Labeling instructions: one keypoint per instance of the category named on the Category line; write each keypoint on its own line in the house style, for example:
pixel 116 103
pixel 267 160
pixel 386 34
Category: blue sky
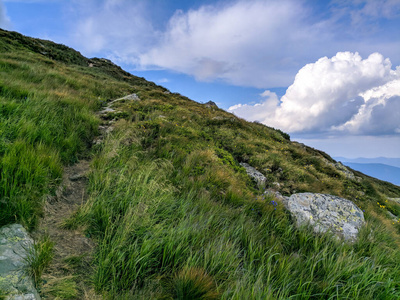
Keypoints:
pixel 324 71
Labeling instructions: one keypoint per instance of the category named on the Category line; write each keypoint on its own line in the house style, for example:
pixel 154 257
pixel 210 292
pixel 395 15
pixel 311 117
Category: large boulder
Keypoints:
pixel 15 245
pixel 326 212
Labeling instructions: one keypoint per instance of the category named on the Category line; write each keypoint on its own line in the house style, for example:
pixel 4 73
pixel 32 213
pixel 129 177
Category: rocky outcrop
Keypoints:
pixel 343 170
pixel 346 172
pixel 256 175
pixel 211 104
pixel 15 244
pixel 326 212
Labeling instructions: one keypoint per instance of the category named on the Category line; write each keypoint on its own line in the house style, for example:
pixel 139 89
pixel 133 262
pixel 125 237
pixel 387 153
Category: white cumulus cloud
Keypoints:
pixel 236 42
pixel 5 22
pixel 380 113
pixel 122 29
pixel 342 93
pixel 252 43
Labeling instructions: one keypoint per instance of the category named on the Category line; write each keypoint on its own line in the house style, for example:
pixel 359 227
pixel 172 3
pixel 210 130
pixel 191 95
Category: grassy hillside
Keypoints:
pixel 172 212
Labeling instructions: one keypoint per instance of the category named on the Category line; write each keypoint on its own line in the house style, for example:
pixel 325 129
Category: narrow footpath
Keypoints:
pixel 73 251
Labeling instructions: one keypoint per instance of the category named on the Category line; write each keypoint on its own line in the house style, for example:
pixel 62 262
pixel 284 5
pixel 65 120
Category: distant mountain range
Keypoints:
pixel 395 162
pixel 383 168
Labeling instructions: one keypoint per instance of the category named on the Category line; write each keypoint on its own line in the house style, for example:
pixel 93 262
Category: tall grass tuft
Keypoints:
pixel 61 288
pixel 191 283
pixel 39 258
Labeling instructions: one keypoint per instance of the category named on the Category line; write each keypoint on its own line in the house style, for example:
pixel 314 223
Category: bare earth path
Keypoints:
pixel 72 249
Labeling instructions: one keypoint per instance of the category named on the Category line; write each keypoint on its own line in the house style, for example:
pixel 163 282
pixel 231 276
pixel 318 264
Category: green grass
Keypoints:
pixel 172 212
pixel 39 258
pixel 2 295
pixel 190 283
pixel 61 288
pixel 153 220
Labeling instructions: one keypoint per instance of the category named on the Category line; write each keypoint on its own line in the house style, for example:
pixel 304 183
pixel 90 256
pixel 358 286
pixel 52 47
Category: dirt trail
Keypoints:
pixel 72 249
pixel 70 195
pixel 69 245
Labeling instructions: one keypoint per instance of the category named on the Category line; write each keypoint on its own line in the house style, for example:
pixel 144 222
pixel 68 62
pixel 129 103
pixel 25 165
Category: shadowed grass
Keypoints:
pixel 191 283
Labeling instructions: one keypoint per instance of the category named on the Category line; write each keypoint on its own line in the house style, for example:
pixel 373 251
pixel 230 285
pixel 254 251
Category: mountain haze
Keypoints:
pixel 165 207
pixel 381 171
pixel 395 162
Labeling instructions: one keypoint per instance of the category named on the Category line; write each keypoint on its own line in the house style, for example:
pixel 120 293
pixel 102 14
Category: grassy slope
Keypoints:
pixel 171 209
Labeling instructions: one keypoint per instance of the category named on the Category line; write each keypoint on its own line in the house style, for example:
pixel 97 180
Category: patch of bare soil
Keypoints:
pixel 72 249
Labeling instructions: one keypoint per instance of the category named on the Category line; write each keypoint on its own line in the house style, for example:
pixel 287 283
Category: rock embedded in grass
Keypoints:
pixel 256 175
pixel 15 244
pixel 133 97
pixel 327 213
pixel 211 104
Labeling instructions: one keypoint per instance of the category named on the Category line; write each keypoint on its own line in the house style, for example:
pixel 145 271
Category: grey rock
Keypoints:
pixel 211 104
pixel 392 216
pixel 256 175
pixel 15 244
pixel 395 199
pixel 106 110
pixel 278 196
pixel 128 97
pixel 78 176
pixel 326 212
pixel 343 170
pixel 348 174
pixel 97 141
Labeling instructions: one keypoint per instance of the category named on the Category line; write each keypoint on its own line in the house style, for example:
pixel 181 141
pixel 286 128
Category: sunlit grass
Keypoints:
pixel 39 258
pixel 154 219
pixel 173 213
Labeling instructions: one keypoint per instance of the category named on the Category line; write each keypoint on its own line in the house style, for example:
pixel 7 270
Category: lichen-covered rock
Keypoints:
pixel 326 212
pixel 15 244
pixel 256 175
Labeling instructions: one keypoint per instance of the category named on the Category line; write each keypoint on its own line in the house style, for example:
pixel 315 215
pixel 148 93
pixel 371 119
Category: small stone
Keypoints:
pixel 276 184
pixel 77 177
pixel 106 110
